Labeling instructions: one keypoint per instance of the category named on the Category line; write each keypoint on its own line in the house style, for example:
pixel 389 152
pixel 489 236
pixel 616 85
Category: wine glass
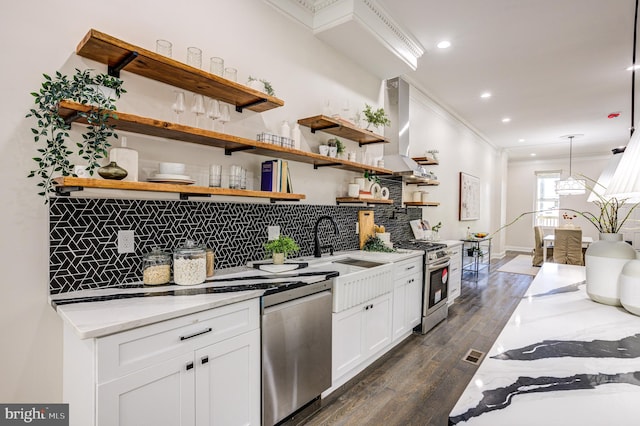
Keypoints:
pixel 213 110
pixel 178 105
pixel 198 107
pixel 225 114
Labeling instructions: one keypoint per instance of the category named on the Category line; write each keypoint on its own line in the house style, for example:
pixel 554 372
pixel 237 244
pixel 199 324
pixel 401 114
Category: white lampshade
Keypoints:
pixel 599 189
pixel 625 183
pixel 570 186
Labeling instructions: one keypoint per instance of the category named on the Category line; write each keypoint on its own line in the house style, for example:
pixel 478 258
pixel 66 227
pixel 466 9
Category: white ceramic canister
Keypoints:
pixel 361 182
pixel 353 190
pixel 604 260
pixel 629 283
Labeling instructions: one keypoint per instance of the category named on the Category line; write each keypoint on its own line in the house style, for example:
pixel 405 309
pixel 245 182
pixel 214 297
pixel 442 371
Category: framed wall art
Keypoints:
pixel 469 197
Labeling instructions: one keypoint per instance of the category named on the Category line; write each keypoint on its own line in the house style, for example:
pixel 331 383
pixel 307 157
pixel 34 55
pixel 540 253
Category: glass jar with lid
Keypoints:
pixel 189 264
pixel 156 267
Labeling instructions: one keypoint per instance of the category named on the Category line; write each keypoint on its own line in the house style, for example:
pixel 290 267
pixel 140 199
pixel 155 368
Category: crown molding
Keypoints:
pixel 383 46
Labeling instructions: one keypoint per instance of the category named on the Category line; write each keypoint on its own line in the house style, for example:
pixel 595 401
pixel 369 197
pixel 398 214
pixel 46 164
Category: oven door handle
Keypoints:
pixel 438 265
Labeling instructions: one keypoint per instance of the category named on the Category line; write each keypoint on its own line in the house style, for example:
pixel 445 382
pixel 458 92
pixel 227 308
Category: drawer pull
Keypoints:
pixel 204 360
pixel 189 366
pixel 410 267
pixel 195 334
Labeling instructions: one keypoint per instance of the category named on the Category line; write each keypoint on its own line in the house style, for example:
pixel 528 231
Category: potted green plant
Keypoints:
pixel 376 117
pixel 280 247
pixel 261 85
pixel 52 131
pixel 372 177
pixel 336 147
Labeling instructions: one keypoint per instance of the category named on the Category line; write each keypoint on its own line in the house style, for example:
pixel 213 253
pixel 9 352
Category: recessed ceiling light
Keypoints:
pixel 444 44
pixel 485 95
pixel 633 67
pixel 520 140
pixel 506 120
pixel 533 154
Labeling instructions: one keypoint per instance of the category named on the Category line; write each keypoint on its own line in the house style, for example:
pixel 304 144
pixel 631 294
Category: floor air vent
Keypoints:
pixel 473 356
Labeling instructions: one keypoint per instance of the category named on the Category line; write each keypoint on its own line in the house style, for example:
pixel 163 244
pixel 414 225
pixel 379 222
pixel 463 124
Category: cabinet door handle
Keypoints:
pixel 195 334
pixel 204 360
pixel 410 267
pixel 189 366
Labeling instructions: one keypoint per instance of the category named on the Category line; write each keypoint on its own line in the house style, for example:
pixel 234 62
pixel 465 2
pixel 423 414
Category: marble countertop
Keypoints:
pixel 96 313
pixel 562 359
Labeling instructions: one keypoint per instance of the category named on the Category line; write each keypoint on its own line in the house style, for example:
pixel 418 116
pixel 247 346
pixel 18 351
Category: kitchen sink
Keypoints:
pixel 358 262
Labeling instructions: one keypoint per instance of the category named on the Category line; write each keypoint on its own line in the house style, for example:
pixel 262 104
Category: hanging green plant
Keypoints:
pixel 53 131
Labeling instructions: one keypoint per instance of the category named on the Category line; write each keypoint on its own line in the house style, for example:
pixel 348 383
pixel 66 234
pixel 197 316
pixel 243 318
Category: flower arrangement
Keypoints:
pixel 607 221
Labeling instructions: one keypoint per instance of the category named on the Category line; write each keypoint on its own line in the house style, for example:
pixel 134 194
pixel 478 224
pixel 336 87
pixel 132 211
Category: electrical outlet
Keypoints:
pixel 126 242
pixel 273 232
pixel 357 228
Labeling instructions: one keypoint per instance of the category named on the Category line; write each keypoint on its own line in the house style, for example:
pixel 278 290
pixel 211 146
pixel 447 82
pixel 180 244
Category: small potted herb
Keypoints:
pixel 376 117
pixel 261 85
pixel 280 247
pixel 336 147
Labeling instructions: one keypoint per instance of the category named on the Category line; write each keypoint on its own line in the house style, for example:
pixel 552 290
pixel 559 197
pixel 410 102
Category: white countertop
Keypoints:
pixel 562 359
pixel 147 305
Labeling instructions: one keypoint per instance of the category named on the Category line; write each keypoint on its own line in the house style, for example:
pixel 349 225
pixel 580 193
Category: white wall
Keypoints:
pixel 40 37
pixel 521 192
pixel 460 150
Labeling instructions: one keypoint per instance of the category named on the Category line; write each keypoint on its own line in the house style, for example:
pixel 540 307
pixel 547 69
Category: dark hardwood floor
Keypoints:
pixel 419 381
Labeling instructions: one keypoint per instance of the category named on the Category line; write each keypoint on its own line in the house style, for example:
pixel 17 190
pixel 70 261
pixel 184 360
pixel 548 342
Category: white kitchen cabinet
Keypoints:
pixel 198 369
pixel 455 271
pixel 359 333
pixel 407 296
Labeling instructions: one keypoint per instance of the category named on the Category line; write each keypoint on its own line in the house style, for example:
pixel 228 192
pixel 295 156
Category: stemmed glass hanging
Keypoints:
pixel 198 107
pixel 213 111
pixel 178 105
pixel 225 114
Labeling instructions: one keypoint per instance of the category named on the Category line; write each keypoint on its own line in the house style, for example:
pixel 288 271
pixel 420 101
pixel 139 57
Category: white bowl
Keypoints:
pixel 172 168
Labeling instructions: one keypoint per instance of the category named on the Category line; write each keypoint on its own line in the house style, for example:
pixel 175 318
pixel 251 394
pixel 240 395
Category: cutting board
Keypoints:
pixel 366 225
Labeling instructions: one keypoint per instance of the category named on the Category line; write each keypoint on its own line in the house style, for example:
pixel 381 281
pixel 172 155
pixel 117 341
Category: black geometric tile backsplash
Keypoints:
pixel 83 233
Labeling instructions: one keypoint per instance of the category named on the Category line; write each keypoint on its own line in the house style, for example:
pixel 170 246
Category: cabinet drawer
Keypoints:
pixel 125 352
pixel 407 267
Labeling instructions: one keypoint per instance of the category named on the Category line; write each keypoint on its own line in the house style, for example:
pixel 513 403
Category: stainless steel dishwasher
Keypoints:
pixel 296 349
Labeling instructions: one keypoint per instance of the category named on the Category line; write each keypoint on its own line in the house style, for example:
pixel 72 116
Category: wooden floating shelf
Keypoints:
pixel 414 180
pixel 342 129
pixel 164 129
pixel 341 200
pixel 422 204
pixel 68 184
pixel 425 161
pixel 116 53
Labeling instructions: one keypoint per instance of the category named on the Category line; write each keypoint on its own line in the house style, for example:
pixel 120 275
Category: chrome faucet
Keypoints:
pixel 317 249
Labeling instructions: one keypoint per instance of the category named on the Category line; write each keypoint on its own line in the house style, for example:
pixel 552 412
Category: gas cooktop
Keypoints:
pixel 420 245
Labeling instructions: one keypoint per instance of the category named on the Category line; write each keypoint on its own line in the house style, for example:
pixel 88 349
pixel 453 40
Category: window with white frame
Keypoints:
pixel 547 201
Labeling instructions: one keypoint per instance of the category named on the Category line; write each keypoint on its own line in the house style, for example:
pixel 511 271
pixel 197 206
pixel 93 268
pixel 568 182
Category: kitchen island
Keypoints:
pixel 561 359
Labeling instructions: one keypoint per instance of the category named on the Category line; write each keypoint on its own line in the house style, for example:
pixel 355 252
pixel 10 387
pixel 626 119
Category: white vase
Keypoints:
pixel 604 260
pixel 629 283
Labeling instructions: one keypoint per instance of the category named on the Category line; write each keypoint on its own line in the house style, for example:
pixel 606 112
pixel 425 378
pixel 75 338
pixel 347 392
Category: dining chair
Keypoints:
pixel 538 248
pixel 567 246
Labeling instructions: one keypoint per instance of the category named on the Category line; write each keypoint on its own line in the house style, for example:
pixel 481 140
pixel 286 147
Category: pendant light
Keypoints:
pixel 625 183
pixel 570 186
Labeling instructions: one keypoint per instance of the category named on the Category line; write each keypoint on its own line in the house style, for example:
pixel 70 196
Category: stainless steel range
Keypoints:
pixel 435 278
